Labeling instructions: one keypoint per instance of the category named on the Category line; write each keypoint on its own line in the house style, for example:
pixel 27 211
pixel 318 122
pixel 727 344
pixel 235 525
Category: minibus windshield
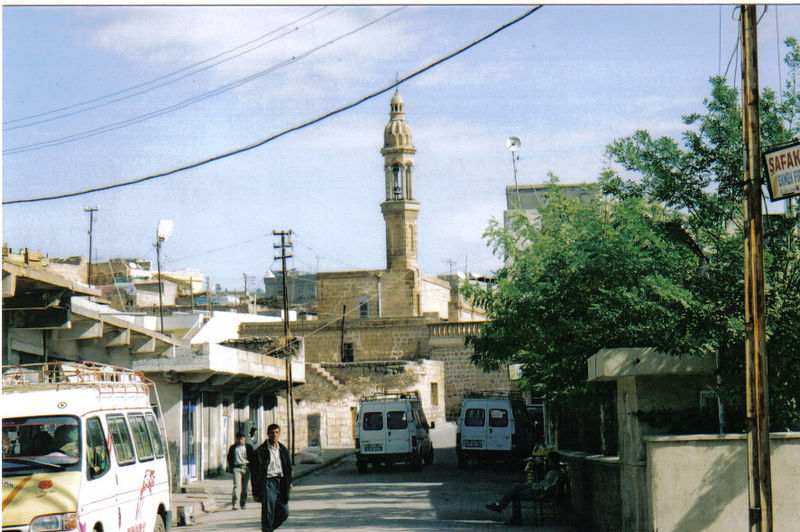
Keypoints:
pixel 41 443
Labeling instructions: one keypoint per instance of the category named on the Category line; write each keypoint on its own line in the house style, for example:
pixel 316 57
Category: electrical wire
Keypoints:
pixel 165 76
pixel 284 132
pixel 185 103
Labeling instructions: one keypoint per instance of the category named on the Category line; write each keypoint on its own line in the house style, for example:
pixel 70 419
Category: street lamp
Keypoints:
pixel 162 234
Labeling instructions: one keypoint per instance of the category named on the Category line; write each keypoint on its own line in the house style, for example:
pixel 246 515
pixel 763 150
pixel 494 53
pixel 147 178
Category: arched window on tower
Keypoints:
pixel 397 182
pixel 409 182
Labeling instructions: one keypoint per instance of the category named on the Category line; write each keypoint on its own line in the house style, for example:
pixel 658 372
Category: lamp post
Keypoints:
pixel 162 234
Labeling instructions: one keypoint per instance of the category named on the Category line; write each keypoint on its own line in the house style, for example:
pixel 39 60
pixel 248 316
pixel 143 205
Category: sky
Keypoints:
pixel 139 91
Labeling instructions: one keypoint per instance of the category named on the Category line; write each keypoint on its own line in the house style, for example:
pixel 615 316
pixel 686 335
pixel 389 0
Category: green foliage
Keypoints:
pixel 657 261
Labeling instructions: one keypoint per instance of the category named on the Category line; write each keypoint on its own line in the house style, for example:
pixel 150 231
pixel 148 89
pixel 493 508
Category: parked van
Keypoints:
pixel 492 426
pixel 393 428
pixel 82 450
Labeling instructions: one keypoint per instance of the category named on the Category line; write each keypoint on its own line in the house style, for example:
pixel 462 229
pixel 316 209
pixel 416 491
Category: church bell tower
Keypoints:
pixel 399 210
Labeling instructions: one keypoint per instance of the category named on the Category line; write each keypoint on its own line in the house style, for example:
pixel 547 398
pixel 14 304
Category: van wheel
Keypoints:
pixel 159 526
pixel 362 466
pixel 429 458
pixel 462 461
pixel 416 462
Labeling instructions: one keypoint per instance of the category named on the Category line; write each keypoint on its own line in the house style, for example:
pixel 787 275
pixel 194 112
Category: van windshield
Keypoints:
pixel 41 443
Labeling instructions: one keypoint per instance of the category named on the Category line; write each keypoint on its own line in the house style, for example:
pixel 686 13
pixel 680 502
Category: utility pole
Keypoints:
pixel 341 341
pixel 758 448
pixel 246 299
pixel 287 339
pixel 91 211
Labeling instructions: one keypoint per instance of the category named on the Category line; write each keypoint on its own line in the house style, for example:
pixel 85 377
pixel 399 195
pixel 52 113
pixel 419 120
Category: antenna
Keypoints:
pixel 513 144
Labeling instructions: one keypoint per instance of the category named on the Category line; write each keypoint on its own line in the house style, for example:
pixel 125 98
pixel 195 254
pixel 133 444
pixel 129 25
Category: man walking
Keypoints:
pixel 240 455
pixel 271 479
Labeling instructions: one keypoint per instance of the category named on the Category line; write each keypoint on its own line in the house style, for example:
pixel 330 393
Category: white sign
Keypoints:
pixel 515 371
pixel 783 171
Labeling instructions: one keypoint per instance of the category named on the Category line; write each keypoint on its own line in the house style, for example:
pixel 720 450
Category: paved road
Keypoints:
pixel 439 497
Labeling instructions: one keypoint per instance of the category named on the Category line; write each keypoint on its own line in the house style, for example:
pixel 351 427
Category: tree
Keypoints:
pixel 656 262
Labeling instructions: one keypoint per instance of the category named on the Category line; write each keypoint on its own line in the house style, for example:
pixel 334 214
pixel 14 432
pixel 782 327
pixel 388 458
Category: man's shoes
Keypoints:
pixel 494 507
pixel 235 508
pixel 514 522
pixel 244 506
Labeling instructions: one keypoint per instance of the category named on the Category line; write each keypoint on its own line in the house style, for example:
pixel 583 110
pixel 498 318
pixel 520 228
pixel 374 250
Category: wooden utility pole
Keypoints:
pixel 91 211
pixel 758 451
pixel 287 343
pixel 341 337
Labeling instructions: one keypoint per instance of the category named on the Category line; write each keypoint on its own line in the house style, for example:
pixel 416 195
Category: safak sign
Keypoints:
pixel 782 166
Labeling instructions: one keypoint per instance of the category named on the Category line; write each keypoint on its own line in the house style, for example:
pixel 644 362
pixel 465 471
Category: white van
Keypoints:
pixel 392 428
pixel 492 425
pixel 82 450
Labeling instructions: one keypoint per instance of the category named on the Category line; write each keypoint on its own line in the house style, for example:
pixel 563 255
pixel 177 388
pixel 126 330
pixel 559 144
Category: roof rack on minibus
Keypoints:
pixel 104 377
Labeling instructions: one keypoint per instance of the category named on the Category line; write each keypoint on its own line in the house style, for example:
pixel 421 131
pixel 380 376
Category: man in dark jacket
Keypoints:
pixel 271 477
pixel 240 457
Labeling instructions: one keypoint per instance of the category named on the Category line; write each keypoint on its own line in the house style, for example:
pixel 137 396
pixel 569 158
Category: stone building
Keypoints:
pixel 377 325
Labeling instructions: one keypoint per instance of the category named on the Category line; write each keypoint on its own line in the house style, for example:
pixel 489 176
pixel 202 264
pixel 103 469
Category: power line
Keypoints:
pixel 165 76
pixel 185 103
pixel 286 131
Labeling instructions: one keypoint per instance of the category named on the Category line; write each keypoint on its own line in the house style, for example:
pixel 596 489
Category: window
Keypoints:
pixel 144 449
pixel 435 393
pixel 363 307
pixel 97 462
pixel 347 353
pixel 373 421
pixel 498 417
pixel 41 444
pixel 123 447
pixel 475 417
pixel 396 420
pixel 155 435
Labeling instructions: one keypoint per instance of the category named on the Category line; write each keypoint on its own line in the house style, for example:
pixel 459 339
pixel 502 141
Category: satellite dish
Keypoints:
pixel 164 230
pixel 513 143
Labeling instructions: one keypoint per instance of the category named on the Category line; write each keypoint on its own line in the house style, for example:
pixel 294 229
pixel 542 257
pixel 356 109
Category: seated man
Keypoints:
pixel 66 440
pixel 530 490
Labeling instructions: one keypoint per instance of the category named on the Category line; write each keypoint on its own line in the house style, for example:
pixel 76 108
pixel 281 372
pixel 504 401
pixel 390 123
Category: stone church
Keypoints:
pixel 394 329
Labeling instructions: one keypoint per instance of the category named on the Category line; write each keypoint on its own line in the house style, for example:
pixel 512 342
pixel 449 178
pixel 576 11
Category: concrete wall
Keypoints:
pixel 434 296
pixel 700 482
pixel 646 394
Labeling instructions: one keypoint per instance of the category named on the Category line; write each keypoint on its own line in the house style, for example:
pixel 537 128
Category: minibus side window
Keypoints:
pixel 144 449
pixel 123 447
pixel 97 462
pixel 155 435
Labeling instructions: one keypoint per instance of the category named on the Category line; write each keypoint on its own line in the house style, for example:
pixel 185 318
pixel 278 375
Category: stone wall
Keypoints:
pixel 372 339
pixel 389 293
pixel 594 488
pixel 447 344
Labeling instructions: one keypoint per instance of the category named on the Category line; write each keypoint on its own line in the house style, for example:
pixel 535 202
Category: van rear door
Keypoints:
pixel 372 429
pixel 500 426
pixel 473 426
pixel 398 437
